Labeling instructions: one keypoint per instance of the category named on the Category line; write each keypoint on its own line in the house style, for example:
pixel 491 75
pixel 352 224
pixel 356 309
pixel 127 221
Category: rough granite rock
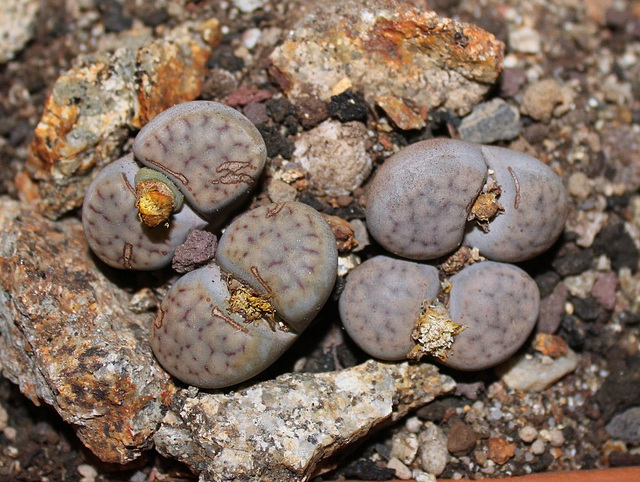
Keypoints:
pixel 284 429
pixel 68 339
pixel 387 48
pixel 88 115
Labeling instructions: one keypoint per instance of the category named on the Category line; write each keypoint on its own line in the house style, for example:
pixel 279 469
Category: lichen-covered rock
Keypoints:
pixel 92 108
pixel 387 48
pixel 285 429
pixel 68 340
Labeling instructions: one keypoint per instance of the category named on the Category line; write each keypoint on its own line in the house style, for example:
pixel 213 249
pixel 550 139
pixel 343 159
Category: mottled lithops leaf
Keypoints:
pixel 497 304
pixel 199 341
pixel 114 231
pixel 212 152
pixel 419 200
pixel 535 208
pixel 382 301
pixel 287 253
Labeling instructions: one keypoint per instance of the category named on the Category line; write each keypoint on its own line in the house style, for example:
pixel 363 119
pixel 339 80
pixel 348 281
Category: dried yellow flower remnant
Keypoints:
pixel 486 207
pixel 155 202
pixel 250 304
pixel 434 333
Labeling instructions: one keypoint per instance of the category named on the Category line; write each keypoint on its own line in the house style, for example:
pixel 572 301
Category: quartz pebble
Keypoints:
pixel 433 452
pixel 538 373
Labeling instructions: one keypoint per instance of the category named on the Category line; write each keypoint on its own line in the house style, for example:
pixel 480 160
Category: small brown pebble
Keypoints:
pixel 343 232
pixel 461 438
pixel 244 96
pixel 311 112
pixel 499 450
pixel 198 249
pixel 551 345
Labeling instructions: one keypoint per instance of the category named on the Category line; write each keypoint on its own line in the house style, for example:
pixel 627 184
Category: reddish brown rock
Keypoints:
pixel 499 450
pixel 387 48
pixel 68 341
pixel 92 108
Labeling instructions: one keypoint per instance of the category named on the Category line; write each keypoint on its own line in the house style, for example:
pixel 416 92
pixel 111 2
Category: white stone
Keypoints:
pixel 404 447
pixel 527 434
pixel 525 40
pixel 534 374
pixel 434 455
pixel 16 26
pixel 402 471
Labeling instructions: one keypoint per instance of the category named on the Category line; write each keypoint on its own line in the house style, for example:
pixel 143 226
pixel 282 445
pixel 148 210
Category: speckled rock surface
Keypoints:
pixel 92 108
pixel 17 20
pixel 68 341
pixel 388 48
pixel 284 429
pixel 335 157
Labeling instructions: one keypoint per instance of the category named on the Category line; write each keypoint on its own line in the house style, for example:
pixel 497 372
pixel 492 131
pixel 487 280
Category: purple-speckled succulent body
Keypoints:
pixel 113 230
pixel 535 208
pixel 201 343
pixel 498 304
pixel 210 151
pixel 219 327
pixel 419 199
pixel 381 302
pixel 285 251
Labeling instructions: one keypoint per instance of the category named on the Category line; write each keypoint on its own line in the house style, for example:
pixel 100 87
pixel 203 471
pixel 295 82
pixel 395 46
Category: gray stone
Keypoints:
pixel 491 121
pixel 626 426
pixel 434 455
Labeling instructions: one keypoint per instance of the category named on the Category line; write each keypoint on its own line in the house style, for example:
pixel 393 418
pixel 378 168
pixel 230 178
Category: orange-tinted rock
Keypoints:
pixel 388 48
pixel 93 107
pixel 499 450
pixel 68 339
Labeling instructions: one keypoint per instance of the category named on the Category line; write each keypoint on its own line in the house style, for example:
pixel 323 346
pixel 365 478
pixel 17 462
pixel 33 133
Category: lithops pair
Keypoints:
pixel 432 195
pixel 390 309
pixel 226 322
pixel 200 160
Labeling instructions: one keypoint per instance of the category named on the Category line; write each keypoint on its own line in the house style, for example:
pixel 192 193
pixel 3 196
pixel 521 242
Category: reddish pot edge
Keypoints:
pixel 622 474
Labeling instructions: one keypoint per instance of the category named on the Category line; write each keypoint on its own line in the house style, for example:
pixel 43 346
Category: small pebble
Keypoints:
pixel 489 122
pixel 4 418
pixel 11 433
pixel 402 471
pixel 420 476
pixel 88 472
pixel 537 447
pixel 499 450
pixel 413 424
pixel 525 40
pixel 461 438
pixel 404 447
pixel 578 185
pixel 434 455
pixel 534 374
pixel 626 426
pixel 527 434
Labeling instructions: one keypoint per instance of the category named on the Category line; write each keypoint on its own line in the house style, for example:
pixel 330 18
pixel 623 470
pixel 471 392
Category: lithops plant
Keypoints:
pixel 534 205
pixel 224 323
pixel 497 304
pixel 389 308
pixel 382 301
pixel 112 227
pixel 424 197
pixel 419 199
pixel 202 157
pixel 212 153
